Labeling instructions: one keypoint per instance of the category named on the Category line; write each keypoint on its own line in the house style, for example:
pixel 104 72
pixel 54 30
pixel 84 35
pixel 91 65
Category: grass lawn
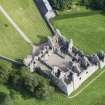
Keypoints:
pixel 87 29
pixel 28 18
pixel 11 43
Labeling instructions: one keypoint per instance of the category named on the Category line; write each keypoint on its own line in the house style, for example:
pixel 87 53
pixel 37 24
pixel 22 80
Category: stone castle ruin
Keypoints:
pixel 64 64
pixel 59 60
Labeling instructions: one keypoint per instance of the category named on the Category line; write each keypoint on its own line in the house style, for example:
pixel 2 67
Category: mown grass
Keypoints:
pixel 87 30
pixel 11 43
pixel 28 18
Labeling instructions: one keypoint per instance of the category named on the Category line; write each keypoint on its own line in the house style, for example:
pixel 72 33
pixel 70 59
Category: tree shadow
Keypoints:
pixel 41 7
pixel 16 64
pixel 19 65
pixel 76 15
pixel 103 13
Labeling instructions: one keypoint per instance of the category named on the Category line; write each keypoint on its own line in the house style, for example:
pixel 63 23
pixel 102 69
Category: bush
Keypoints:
pixel 5 99
pixel 15 80
pixel 94 4
pixel 24 80
pixel 30 83
pixel 3 75
pixel 60 4
pixel 2 96
pixel 15 95
pixel 43 91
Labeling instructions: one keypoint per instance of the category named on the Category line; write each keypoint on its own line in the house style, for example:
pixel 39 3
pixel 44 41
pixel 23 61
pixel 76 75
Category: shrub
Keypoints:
pixel 43 90
pixel 3 75
pixel 5 99
pixel 24 80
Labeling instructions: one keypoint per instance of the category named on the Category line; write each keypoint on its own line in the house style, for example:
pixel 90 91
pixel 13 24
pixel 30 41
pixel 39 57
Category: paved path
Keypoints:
pixel 24 36
pixel 87 85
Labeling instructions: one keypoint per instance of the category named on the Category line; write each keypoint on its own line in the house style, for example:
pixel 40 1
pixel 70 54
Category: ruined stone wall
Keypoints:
pixel 78 80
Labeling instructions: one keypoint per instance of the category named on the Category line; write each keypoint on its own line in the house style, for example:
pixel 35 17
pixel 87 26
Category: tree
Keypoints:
pixel 60 4
pixel 24 79
pixel 15 80
pixel 42 90
pixel 31 83
pixel 3 74
pixel 94 4
pixel 6 99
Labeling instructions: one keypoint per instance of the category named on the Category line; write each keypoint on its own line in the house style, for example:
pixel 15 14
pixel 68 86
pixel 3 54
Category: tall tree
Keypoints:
pixel 60 4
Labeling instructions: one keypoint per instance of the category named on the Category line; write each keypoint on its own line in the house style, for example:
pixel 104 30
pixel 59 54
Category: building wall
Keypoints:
pixel 102 64
pixel 45 8
pixel 41 6
pixel 70 88
pixel 50 13
pixel 67 89
pixel 78 80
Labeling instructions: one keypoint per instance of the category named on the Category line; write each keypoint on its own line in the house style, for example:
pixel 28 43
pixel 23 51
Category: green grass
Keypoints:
pixel 86 29
pixel 88 33
pixel 11 43
pixel 28 18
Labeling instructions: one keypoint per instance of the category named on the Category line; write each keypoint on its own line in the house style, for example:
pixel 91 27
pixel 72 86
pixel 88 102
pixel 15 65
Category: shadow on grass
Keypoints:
pixel 76 15
pixel 42 39
pixel 18 65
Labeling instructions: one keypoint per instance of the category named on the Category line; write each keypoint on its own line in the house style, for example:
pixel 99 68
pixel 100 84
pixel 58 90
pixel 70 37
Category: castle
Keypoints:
pixel 60 61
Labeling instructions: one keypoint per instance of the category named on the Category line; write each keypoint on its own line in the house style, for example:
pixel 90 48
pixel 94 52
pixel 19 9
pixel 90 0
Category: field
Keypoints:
pixel 11 43
pixel 86 29
pixel 28 18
